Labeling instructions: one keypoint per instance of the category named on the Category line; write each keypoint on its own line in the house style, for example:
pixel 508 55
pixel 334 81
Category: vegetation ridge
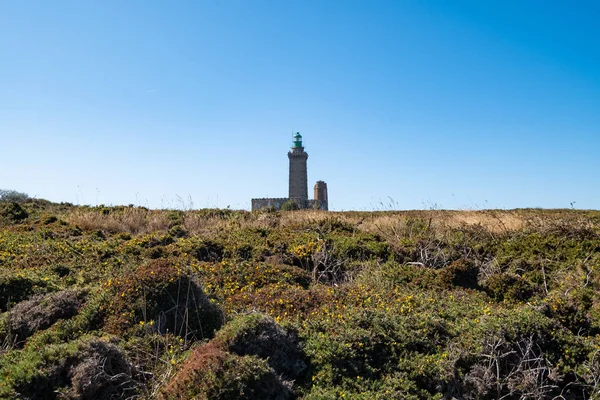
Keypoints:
pixel 127 302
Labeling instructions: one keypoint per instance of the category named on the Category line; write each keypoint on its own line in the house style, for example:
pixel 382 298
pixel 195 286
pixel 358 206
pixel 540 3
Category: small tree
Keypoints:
pixel 13 195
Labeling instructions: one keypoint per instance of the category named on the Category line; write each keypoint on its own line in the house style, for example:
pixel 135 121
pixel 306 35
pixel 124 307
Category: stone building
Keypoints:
pixel 298 184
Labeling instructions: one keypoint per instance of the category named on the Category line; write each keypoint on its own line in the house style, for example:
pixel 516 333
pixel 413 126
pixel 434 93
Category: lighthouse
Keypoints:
pixel 298 171
pixel 298 190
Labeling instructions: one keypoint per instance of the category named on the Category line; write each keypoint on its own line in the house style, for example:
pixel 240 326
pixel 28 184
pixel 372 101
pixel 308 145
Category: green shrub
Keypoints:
pixel 87 368
pixel 61 270
pixel 290 205
pixel 123 236
pixel 36 373
pixel 259 335
pixel 332 223
pixel 461 273
pixel 176 216
pixel 416 276
pixel 15 288
pixel 508 287
pixel 48 219
pixel 206 250
pixel 13 212
pixel 574 310
pixel 360 246
pixel 177 231
pixel 160 297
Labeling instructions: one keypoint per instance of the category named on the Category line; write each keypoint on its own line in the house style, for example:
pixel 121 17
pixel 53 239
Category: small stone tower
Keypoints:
pixel 298 176
pixel 321 194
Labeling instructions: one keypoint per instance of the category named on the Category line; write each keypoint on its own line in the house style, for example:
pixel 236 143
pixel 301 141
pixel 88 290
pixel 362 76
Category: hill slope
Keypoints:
pixel 127 302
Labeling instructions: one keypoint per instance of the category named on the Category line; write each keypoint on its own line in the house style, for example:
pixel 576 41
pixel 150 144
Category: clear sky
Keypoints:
pixel 403 104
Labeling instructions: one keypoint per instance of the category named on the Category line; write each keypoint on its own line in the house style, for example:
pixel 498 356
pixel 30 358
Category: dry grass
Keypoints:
pixel 491 220
pixel 304 216
pixel 205 226
pixel 209 224
pixel 130 220
pixel 495 221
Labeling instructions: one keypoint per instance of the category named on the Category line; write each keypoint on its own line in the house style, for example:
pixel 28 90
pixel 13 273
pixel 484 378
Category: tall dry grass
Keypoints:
pixel 130 220
pixel 494 221
pixel 208 224
pixel 385 223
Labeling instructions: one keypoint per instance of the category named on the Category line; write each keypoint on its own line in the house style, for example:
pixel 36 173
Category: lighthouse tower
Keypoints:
pixel 298 179
pixel 298 185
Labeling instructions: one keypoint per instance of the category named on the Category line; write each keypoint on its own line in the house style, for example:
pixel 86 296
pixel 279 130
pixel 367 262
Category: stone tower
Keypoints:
pixel 298 185
pixel 321 194
pixel 298 178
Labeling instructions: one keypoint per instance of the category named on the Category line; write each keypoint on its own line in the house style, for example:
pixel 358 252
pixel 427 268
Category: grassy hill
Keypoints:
pixel 126 302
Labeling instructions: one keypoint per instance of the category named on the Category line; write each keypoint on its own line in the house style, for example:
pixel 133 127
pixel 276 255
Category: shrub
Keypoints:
pixel 158 293
pixel 259 335
pixel 36 373
pixel 460 273
pixel 392 273
pixel 61 270
pixel 572 309
pixel 104 372
pixel 177 231
pixel 290 205
pixel 360 247
pixel 16 288
pixel 87 368
pixel 508 287
pixel 332 223
pixel 206 250
pixel 517 357
pixel 40 312
pixel 13 212
pixel 518 369
pixel 211 373
pixel 369 343
pixel 48 219
pixel 244 252
pixel 396 317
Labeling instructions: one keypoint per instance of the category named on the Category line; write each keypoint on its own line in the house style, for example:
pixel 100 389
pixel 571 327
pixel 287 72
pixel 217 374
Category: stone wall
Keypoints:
pixel 277 203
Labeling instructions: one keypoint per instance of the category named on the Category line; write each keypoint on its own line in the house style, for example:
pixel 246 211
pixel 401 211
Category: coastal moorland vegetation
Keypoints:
pixel 127 302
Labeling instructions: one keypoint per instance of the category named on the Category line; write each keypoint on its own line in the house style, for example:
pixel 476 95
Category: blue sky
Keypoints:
pixel 403 104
